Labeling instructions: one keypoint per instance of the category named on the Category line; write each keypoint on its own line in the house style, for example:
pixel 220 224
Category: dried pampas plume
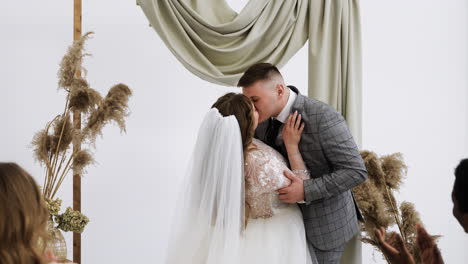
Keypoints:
pixel 371 203
pixel 72 62
pixel 63 133
pixel 82 97
pixel 82 159
pixel 374 168
pixel 395 169
pixel 112 108
pixel 410 219
pixel 41 143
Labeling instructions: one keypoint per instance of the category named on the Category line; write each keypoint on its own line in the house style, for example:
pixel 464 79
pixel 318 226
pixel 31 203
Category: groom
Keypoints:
pixel 329 152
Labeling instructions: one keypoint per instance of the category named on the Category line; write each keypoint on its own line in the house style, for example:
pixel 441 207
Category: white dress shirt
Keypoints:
pixel 284 114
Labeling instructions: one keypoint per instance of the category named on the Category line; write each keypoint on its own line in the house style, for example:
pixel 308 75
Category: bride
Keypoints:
pixel 229 211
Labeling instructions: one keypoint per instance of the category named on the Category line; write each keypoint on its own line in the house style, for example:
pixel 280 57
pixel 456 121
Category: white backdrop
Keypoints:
pixel 415 56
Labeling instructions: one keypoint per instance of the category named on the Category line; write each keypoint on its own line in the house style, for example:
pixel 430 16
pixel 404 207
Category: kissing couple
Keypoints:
pixel 269 180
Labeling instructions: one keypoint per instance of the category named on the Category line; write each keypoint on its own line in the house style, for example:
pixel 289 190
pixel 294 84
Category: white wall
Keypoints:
pixel 415 102
pixel 415 95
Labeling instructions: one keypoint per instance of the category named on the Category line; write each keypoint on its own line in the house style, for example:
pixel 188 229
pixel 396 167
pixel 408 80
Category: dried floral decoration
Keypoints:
pixel 53 145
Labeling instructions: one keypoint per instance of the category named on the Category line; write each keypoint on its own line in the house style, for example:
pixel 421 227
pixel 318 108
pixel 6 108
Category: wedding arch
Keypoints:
pixel 218 44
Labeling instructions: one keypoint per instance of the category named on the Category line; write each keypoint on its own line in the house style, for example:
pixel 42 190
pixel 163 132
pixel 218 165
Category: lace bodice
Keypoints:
pixel 264 174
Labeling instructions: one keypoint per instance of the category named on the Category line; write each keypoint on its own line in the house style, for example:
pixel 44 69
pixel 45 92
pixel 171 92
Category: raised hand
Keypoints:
pixel 292 130
pixel 398 254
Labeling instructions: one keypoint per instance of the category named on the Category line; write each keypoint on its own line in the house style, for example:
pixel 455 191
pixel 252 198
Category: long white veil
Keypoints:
pixel 210 214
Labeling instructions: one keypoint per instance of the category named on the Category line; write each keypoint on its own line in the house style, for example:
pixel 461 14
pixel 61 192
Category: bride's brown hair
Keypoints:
pixel 241 107
pixel 23 217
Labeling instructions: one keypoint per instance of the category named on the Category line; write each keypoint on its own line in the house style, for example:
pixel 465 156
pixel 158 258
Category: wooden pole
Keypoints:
pixel 77 145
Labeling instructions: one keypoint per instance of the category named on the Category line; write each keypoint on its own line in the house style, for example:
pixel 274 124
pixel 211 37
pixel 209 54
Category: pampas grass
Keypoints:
pixel 394 168
pixel 82 97
pixel 378 205
pixel 42 145
pixel 53 145
pixel 72 62
pixel 112 108
pixel 63 133
pixel 82 159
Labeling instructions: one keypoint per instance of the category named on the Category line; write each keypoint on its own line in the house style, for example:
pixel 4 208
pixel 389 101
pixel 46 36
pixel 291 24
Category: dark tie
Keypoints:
pixel 272 133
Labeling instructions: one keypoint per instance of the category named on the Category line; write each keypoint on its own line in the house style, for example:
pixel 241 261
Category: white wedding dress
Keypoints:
pixel 229 211
pixel 275 230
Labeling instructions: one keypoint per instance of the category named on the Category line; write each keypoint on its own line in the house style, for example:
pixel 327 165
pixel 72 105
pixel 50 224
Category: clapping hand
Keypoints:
pixel 398 253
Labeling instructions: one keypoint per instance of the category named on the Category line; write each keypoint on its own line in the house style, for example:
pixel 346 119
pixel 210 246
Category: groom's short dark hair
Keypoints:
pixel 460 188
pixel 258 72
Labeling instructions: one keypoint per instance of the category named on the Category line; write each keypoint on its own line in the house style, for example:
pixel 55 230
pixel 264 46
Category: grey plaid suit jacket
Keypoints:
pixel 335 164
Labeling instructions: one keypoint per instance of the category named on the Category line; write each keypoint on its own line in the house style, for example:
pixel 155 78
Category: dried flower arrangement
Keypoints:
pixel 53 144
pixel 378 205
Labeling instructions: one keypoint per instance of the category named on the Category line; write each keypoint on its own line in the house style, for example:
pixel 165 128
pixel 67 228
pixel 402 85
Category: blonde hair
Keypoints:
pixel 24 217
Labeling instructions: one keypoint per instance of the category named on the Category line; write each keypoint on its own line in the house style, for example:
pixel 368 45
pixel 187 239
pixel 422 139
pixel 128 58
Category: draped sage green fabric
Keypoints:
pixel 335 70
pixel 218 45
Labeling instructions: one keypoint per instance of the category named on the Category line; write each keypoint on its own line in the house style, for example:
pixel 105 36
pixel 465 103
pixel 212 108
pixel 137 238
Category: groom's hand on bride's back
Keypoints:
pixel 294 193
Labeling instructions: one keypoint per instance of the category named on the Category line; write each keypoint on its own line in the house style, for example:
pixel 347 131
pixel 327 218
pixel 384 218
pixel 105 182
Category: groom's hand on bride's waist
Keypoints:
pixel 294 193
